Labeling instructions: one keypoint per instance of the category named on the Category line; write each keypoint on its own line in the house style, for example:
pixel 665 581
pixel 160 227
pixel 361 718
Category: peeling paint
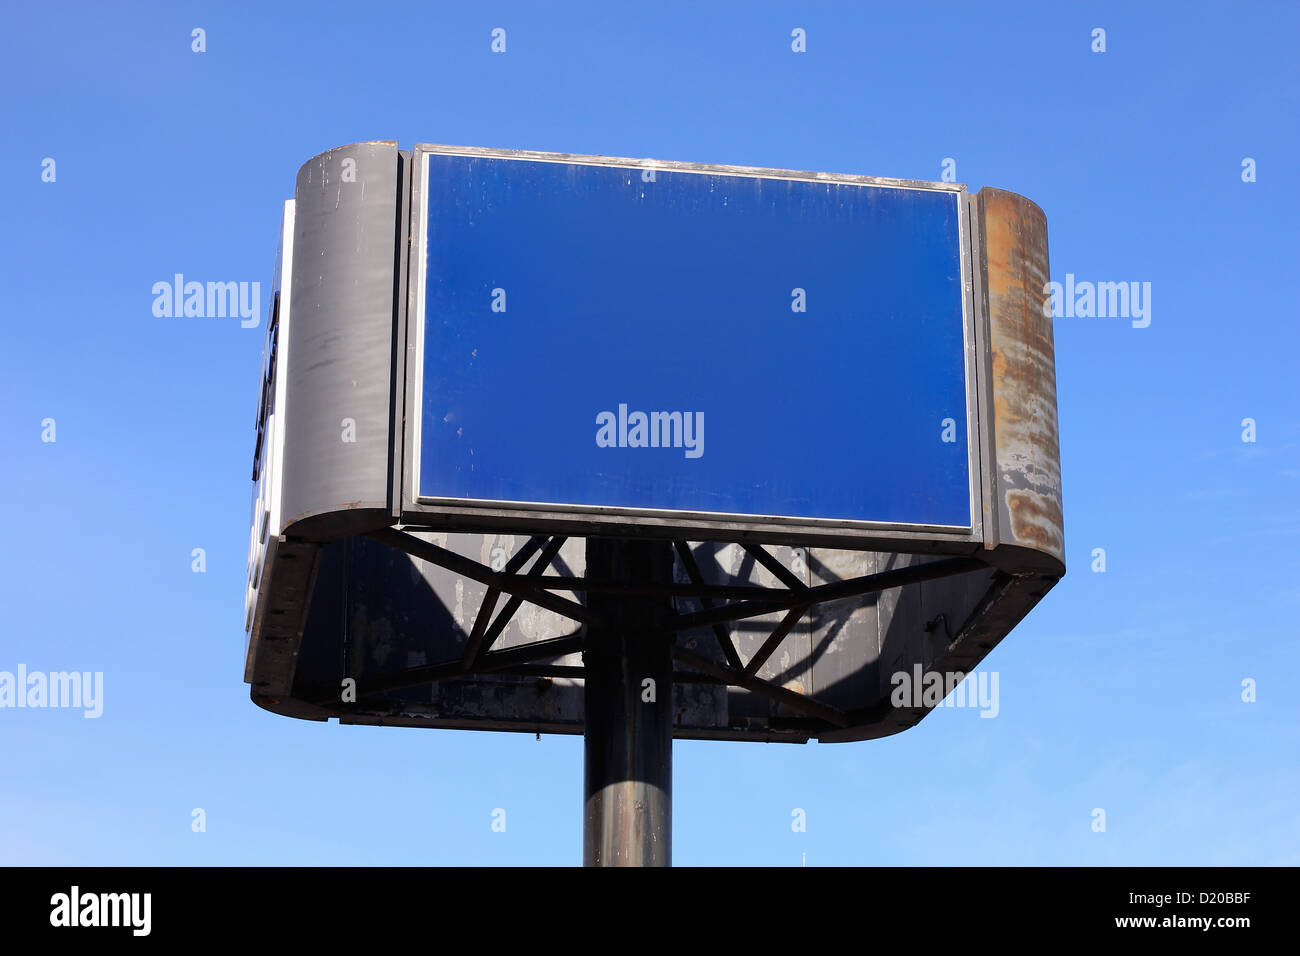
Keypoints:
pixel 1026 443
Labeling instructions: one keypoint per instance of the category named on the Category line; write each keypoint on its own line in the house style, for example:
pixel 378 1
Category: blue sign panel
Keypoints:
pixel 692 341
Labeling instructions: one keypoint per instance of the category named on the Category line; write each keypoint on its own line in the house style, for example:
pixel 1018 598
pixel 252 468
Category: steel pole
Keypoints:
pixel 628 742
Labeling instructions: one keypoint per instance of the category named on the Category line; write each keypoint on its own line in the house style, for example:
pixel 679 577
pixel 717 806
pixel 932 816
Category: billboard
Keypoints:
pixel 833 384
pixel 593 334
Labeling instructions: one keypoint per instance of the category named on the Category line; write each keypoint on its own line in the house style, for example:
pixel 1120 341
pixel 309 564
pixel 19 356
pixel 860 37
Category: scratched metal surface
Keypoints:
pixel 1026 442
pixel 341 342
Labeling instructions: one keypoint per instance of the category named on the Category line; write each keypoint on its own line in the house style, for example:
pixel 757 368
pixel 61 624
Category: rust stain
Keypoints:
pixel 1035 520
pixel 1024 369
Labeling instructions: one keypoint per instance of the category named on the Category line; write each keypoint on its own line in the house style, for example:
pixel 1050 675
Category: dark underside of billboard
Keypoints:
pixel 415 628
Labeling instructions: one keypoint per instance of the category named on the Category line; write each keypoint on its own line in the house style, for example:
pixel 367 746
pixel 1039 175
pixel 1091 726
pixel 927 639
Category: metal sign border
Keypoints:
pixel 484 515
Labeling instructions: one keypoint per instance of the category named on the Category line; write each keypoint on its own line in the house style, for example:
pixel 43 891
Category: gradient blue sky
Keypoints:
pixel 1121 691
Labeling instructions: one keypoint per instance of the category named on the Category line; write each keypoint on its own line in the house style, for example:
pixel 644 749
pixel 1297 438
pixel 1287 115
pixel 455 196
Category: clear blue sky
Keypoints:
pixel 1121 691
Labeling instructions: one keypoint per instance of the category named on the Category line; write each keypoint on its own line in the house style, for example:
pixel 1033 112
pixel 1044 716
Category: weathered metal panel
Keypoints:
pixel 1027 454
pixel 336 475
pixel 845 635
pixel 290 590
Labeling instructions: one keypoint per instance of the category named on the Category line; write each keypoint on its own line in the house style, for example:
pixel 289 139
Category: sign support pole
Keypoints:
pixel 628 734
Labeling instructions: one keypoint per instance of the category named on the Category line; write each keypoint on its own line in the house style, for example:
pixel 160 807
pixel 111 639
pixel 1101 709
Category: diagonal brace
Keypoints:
pixel 452 561
pixel 488 605
pixel 487 635
pixel 853 587
pixel 687 558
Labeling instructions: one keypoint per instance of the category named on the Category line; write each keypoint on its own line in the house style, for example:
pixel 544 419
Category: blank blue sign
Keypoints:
pixel 697 342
